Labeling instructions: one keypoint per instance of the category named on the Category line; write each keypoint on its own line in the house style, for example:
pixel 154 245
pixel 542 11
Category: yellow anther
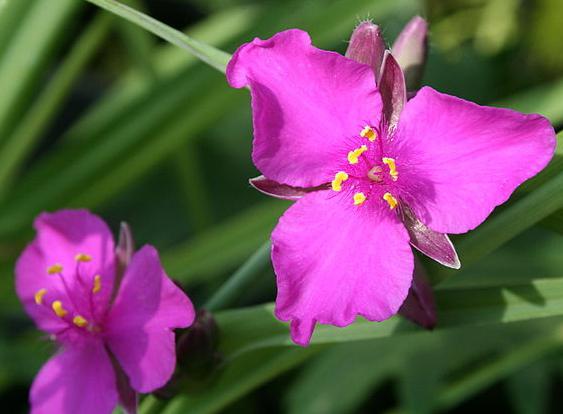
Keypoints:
pixel 392 201
pixel 82 257
pixel 354 155
pixel 390 162
pixel 369 133
pixel 56 268
pixel 97 284
pixel 359 199
pixel 339 178
pixel 58 309
pixel 39 296
pixel 79 321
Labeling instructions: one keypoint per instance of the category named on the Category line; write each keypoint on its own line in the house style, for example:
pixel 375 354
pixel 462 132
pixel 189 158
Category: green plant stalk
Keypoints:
pixel 26 135
pixel 212 56
pixel 241 280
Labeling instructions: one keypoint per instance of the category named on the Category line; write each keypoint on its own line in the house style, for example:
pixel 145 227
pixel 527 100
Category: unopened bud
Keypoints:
pixel 367 46
pixel 410 50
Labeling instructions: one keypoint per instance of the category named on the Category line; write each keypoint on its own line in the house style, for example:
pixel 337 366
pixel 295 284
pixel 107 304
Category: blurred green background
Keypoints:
pixel 97 113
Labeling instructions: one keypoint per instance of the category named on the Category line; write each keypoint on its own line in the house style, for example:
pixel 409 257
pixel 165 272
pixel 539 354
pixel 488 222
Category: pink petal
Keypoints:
pixel 419 306
pixel 306 103
pixel 410 50
pixel 282 191
pixel 140 325
pixel 367 46
pixel 393 92
pixel 461 160
pixel 60 237
pixel 77 380
pixel 334 260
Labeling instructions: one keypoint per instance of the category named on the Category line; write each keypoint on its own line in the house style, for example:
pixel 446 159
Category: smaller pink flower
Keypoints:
pixel 108 334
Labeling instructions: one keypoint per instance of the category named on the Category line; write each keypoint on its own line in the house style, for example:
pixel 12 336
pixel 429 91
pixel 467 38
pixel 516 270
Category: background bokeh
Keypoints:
pixel 97 113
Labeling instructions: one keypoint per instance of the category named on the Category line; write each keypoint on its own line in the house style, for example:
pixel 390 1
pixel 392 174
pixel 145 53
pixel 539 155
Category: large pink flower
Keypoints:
pixel 367 168
pixel 113 338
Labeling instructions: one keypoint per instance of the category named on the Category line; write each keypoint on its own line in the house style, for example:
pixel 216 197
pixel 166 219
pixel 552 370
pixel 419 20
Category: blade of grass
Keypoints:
pixel 254 328
pixel 212 56
pixel 26 135
pixel 27 53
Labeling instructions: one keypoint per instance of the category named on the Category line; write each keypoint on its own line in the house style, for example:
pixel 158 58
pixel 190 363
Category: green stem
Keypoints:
pixel 208 54
pixel 240 280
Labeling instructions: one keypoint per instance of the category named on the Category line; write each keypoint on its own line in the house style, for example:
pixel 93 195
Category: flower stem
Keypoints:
pixel 240 280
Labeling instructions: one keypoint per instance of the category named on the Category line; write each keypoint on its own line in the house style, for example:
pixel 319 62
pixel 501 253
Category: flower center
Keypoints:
pixel 368 173
pixel 73 303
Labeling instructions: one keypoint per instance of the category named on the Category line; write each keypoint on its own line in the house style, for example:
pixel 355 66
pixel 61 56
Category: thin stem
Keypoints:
pixel 240 280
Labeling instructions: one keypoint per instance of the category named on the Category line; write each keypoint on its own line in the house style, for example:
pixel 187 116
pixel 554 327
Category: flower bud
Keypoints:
pixel 367 46
pixel 419 306
pixel 410 50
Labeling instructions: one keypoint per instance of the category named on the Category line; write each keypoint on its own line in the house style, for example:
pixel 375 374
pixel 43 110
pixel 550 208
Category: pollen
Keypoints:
pixel 82 257
pixel 58 309
pixel 369 133
pixel 97 284
pixel 54 269
pixel 353 156
pixel 359 199
pixel 392 201
pixel 339 178
pixel 80 321
pixel 39 296
pixel 390 162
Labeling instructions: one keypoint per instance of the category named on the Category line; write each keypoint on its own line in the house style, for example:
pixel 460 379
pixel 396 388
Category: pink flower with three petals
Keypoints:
pixel 116 337
pixel 367 167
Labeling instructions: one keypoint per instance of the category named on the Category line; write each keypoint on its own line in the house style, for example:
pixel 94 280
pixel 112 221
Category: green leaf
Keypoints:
pixel 253 328
pixel 213 57
pixel 529 389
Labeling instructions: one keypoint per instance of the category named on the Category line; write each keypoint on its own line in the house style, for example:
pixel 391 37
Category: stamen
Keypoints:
pixel 392 167
pixel 39 296
pixel 54 269
pixel 82 257
pixel 79 321
pixel 359 199
pixel 354 155
pixel 369 133
pixel 339 178
pixel 97 284
pixel 58 309
pixel 392 201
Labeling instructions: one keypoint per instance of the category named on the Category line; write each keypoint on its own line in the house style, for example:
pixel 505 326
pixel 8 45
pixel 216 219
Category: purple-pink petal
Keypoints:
pixel 60 237
pixel 367 46
pixel 410 49
pixel 461 160
pixel 335 261
pixel 393 92
pixel 79 379
pixel 139 328
pixel 281 191
pixel 305 103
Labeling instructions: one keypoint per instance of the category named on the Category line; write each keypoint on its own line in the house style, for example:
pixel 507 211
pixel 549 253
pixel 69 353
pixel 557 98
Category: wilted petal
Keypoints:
pixel 367 46
pixel 465 159
pixel 139 328
pixel 419 306
pixel 305 102
pixel 435 245
pixel 410 49
pixel 334 261
pixel 393 92
pixel 283 191
pixel 80 379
